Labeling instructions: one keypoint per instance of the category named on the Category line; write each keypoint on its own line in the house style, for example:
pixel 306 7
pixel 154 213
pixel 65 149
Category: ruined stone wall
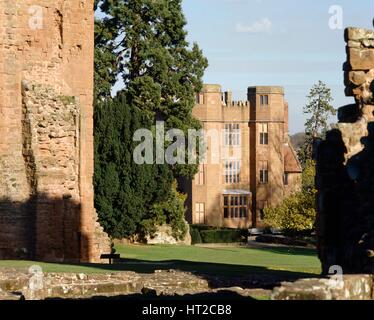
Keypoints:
pixel 349 287
pixel 46 139
pixel 345 170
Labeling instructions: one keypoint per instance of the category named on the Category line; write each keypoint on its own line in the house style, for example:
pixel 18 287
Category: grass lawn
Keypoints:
pixel 283 262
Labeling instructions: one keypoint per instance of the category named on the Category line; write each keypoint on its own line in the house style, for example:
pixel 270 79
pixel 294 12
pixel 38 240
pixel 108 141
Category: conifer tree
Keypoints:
pixel 144 42
pixel 105 62
pixel 161 71
pixel 319 109
pixel 125 192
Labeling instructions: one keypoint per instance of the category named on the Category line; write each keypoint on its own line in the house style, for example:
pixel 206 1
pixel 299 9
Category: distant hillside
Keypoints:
pixel 298 140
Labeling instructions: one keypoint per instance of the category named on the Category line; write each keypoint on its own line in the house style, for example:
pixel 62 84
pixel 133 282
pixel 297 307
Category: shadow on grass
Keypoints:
pixel 270 248
pixel 295 251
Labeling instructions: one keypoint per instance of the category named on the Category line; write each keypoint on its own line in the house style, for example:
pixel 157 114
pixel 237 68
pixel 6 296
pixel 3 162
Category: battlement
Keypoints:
pixel 241 103
pixel 265 90
pixel 211 88
pixel 226 96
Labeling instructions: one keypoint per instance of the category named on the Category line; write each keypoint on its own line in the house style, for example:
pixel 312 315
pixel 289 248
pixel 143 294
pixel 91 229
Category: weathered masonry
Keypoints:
pixel 46 139
pixel 345 170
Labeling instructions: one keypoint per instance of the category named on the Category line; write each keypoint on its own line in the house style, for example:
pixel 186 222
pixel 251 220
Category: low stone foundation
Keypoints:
pixel 35 285
pixel 32 284
pixel 350 287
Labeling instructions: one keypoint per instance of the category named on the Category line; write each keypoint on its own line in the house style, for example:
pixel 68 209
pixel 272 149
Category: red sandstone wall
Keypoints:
pixel 48 44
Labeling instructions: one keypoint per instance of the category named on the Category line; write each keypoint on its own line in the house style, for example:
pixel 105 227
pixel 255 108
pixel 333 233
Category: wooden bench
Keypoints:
pixel 111 257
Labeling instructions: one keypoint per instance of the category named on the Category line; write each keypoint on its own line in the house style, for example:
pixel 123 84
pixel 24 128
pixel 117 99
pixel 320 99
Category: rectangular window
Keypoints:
pixel 232 171
pixel 285 178
pixel 200 176
pixel 264 135
pixel 235 206
pixel 199 98
pixel 199 213
pixel 264 172
pixel 261 205
pixel 264 100
pixel 232 134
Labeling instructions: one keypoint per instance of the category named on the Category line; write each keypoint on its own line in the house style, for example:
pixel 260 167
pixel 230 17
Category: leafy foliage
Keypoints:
pixel 171 212
pixel 297 212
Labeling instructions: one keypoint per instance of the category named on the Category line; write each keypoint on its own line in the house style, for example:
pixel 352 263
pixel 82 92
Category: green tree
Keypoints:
pixel 125 192
pixel 318 109
pixel 171 212
pixel 161 71
pixel 297 212
pixel 105 62
pixel 144 42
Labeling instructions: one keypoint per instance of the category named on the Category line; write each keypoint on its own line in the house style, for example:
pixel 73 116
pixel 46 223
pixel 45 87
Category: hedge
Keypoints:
pixel 221 236
pixel 207 234
pixel 195 236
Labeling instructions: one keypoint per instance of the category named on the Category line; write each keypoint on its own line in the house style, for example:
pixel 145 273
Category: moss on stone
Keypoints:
pixel 66 100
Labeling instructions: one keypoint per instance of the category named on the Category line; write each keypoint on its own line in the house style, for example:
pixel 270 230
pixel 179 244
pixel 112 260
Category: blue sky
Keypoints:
pixel 269 42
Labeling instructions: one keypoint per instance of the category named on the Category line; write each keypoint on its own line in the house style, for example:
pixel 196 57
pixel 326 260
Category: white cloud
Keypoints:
pixel 264 25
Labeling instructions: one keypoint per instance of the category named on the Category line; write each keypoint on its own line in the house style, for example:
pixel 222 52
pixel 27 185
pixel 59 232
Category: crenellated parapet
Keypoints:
pixel 235 104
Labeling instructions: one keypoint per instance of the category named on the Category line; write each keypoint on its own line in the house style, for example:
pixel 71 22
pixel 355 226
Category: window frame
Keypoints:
pixel 200 176
pixel 199 98
pixel 264 100
pixel 264 134
pixel 232 135
pixel 199 212
pixel 232 170
pixel 264 171
pixel 261 206
pixel 286 178
pixel 236 206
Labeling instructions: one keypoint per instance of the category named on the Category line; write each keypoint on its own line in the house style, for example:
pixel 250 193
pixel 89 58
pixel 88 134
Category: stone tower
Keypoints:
pixel 268 109
pixel 46 131
pixel 248 156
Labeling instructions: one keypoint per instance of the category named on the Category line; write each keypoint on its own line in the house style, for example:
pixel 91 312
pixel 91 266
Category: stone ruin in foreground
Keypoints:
pixel 345 168
pixel 345 183
pixel 46 132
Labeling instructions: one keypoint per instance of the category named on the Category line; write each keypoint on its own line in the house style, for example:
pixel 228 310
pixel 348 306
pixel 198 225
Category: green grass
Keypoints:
pixel 227 260
pixel 283 262
pixel 277 258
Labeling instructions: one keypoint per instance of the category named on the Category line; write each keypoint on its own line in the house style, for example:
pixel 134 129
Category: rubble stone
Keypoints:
pixel 344 169
pixel 352 287
pixel 46 132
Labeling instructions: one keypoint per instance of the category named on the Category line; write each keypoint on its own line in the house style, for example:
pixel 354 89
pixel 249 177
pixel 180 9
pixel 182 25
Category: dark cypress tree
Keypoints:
pixel 125 192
